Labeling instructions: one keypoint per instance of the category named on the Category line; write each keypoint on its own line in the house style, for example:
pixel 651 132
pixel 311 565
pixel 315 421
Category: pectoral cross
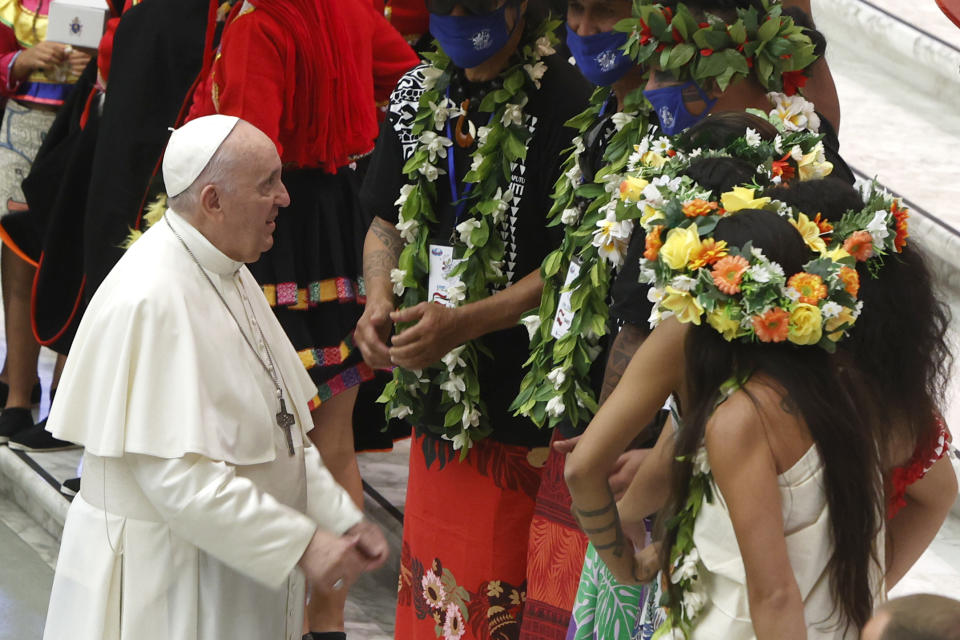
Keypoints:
pixel 285 420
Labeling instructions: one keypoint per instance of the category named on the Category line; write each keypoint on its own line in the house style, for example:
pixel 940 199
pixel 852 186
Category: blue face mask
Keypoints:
pixel 670 109
pixel 471 40
pixel 599 57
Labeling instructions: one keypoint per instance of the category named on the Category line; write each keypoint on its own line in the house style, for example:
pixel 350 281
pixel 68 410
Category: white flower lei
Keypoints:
pixel 475 241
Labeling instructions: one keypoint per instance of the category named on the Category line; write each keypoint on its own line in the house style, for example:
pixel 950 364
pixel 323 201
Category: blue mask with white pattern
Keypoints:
pixel 599 57
pixel 471 40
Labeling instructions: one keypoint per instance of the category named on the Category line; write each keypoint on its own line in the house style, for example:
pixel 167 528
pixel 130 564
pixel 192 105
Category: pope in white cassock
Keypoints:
pixel 201 495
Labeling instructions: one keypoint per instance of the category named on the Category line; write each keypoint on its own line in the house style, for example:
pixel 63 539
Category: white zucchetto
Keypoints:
pixel 190 149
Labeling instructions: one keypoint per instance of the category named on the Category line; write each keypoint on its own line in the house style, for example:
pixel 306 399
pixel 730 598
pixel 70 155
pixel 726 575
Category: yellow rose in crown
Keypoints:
pixel 721 321
pixel 653 159
pixel 632 188
pixel 680 247
pixel 742 198
pixel 805 324
pixel 683 305
pixel 833 324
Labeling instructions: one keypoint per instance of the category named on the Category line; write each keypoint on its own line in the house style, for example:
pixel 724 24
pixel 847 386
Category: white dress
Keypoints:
pixel 806 519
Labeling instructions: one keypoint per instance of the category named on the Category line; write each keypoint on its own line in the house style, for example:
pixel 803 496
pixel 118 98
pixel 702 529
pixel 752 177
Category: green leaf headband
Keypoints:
pixel 767 44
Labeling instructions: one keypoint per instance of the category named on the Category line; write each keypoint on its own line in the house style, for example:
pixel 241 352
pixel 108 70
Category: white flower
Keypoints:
pixel 555 407
pixel 695 153
pixel 476 162
pixel 672 184
pixel 512 115
pixel 454 386
pixel 460 441
pixel 442 111
pixel 753 138
pixel 503 203
pixel 831 309
pixel 574 175
pixel 701 466
pixel 578 145
pixel 408 230
pixel 430 172
pixel 535 71
pixel 621 119
pixel 778 144
pixel 662 145
pixel 557 377
pixel 466 228
pixel 759 273
pixel 775 269
pixel 482 134
pixel 453 359
pixel 796 113
pixel 655 295
pixel 796 153
pixel 430 76
pixel 405 192
pixel 858 309
pixel 435 145
pixel 532 323
pixel 693 602
pixel 570 216
pixel 543 46
pixel 685 567
pixel 612 238
pixel 401 412
pixel 396 277
pixel 792 293
pixel 634 161
pixel 471 416
pixel 647 275
pixel 683 283
pixel 878 229
pixel 456 293
pixel 496 267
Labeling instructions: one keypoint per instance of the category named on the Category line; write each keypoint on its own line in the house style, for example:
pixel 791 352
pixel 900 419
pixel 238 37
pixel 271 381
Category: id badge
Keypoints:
pixel 440 281
pixel 564 317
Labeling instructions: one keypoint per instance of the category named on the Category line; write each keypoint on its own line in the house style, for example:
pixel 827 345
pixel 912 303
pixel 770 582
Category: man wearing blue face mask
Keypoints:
pixel 459 187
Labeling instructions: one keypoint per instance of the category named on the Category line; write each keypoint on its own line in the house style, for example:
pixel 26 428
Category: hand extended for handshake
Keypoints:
pixel 331 562
pixel 436 330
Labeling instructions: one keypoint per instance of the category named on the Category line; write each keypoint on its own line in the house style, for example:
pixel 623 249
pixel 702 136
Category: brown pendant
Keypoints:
pixel 464 139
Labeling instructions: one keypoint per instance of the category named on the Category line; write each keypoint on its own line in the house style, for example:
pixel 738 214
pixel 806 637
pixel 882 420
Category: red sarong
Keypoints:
pixel 464 556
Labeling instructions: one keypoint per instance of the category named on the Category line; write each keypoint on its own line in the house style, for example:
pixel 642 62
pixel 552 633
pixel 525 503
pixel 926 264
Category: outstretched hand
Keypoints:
pixel 438 329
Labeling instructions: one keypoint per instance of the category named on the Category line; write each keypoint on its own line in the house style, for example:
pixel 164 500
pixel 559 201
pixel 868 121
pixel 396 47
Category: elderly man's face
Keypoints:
pixel 253 196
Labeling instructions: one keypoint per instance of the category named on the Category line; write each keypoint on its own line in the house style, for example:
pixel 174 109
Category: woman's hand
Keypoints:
pixel 43 56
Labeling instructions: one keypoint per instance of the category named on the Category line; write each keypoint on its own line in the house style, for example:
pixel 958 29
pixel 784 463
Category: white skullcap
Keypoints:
pixel 190 149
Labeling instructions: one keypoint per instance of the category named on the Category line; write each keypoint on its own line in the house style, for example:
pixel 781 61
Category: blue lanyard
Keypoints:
pixel 460 202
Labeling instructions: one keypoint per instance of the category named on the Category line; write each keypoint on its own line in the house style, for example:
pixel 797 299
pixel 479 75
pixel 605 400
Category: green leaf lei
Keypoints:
pixel 476 241
pixel 557 381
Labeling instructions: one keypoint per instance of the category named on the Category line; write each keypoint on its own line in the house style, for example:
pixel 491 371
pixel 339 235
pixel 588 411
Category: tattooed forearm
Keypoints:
pixel 599 524
pixel 625 344
pixel 380 254
pixel 388 235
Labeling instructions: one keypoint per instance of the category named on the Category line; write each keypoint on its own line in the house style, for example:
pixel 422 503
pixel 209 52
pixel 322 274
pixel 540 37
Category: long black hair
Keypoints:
pixel 830 407
pixel 900 339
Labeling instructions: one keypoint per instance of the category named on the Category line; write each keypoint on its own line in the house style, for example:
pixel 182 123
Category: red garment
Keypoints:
pixel 307 74
pixel 924 457
pixel 409 17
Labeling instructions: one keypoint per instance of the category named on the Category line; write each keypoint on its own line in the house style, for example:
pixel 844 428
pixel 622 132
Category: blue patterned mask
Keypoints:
pixel 669 106
pixel 599 57
pixel 471 40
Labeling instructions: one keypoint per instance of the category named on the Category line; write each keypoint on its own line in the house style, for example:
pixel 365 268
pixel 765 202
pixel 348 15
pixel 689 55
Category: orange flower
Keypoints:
pixel 900 215
pixel 710 252
pixel 653 243
pixel 810 286
pixel 783 168
pixel 698 207
pixel 728 272
pixel 850 279
pixel 825 227
pixel 772 325
pixel 859 245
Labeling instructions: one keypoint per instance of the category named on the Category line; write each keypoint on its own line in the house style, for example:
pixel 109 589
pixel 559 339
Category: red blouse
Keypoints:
pixel 924 457
pixel 257 76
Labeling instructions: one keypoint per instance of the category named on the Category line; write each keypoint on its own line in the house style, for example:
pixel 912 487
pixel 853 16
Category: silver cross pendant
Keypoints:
pixel 285 420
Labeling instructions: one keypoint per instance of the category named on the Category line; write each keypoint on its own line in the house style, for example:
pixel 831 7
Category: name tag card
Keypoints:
pixel 440 281
pixel 564 317
pixel 79 23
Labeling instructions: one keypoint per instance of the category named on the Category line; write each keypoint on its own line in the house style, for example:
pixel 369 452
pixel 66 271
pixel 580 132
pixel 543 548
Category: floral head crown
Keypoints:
pixel 765 43
pixel 739 291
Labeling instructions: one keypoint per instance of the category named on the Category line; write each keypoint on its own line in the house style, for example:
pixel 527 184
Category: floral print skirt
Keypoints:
pixel 464 554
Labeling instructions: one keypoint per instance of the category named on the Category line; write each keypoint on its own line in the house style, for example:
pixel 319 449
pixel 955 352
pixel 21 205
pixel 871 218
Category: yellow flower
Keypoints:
pixel 653 159
pixel 844 317
pixel 649 213
pixel 721 321
pixel 810 232
pixel 805 324
pixel 742 198
pixel 680 247
pixel 632 188
pixel 683 305
pixel 810 168
pixel 837 254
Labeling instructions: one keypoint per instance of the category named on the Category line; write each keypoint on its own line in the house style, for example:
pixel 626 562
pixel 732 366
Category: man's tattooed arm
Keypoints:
pixel 625 344
pixel 381 251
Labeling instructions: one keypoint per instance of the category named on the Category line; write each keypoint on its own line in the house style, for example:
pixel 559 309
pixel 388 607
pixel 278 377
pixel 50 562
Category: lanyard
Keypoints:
pixel 459 201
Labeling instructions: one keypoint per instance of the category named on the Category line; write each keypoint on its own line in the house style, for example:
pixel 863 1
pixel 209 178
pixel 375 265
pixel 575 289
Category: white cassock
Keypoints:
pixel 192 515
